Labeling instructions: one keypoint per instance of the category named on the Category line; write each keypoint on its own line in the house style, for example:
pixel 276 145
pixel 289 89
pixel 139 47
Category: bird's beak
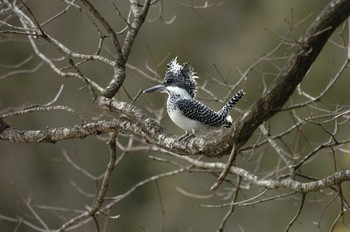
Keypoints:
pixel 157 88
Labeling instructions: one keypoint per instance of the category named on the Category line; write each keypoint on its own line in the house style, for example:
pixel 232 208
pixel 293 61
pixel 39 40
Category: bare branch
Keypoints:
pixel 119 72
pixel 302 202
pixel 109 29
pixel 102 192
pixel 232 207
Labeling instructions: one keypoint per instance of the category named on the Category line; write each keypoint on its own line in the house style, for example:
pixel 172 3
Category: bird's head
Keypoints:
pixel 178 79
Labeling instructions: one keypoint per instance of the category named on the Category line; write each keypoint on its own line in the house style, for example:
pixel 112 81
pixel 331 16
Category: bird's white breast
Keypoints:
pixel 183 122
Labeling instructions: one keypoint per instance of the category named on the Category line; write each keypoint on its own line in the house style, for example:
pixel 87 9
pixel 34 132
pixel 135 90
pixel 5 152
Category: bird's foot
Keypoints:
pixel 185 137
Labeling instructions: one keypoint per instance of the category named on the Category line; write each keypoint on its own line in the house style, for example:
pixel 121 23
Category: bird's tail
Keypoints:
pixel 231 103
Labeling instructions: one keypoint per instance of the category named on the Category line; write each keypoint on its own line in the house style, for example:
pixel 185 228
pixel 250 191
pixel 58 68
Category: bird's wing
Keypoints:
pixel 196 110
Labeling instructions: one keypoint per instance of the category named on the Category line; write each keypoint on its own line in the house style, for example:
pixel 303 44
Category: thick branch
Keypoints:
pixel 293 72
pixel 134 122
pixel 62 133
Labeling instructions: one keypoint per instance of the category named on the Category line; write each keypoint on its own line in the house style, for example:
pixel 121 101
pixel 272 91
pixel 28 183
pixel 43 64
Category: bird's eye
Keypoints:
pixel 169 81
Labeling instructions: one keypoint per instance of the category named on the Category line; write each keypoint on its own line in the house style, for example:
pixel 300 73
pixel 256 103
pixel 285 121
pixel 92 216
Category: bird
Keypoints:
pixel 182 107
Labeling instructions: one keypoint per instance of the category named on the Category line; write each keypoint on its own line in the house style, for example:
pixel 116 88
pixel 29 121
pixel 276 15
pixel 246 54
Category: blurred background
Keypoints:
pixel 221 41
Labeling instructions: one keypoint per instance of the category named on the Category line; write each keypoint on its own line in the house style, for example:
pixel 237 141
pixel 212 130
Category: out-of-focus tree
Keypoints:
pixel 82 149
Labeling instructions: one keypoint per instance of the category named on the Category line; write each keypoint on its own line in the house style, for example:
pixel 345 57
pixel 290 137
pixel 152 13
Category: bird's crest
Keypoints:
pixel 183 74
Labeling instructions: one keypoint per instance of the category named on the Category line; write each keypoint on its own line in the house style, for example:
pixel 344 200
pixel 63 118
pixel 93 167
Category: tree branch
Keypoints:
pixel 109 29
pixel 119 71
pixel 54 135
pixel 308 47
pixel 140 124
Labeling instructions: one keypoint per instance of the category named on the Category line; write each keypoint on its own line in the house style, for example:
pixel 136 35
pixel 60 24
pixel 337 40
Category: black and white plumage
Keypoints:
pixel 183 109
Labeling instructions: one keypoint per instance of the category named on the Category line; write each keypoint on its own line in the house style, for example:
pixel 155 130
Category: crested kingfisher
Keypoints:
pixel 182 107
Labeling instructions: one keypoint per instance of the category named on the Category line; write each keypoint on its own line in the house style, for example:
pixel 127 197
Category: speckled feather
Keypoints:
pixel 184 76
pixel 196 110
